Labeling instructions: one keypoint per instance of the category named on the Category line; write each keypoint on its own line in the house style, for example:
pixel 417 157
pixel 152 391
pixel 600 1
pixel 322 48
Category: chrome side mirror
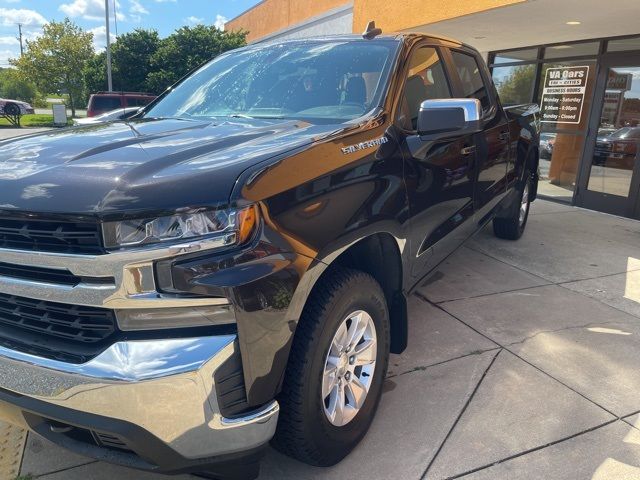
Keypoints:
pixel 449 118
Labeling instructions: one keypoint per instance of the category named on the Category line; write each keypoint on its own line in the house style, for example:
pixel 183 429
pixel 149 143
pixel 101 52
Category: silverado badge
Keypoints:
pixel 362 145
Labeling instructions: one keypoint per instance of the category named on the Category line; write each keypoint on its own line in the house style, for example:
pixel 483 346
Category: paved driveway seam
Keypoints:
pixel 422 368
pixel 464 408
pixel 505 347
pixel 531 450
pixel 45 475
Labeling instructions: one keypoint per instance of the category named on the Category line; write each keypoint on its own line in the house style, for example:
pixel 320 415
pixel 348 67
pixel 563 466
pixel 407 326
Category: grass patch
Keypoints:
pixel 25 477
pixel 37 120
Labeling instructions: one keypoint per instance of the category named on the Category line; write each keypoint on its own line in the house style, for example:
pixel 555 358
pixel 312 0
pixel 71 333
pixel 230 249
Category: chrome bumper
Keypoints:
pixel 163 386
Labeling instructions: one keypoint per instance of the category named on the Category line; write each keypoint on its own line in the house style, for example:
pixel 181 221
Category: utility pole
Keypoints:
pixel 20 38
pixel 106 13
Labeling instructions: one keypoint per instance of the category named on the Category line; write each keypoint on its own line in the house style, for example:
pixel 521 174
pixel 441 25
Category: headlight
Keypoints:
pixel 232 227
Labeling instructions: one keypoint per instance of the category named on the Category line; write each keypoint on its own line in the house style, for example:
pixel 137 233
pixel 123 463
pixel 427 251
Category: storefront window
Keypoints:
pixel 572 50
pixel 515 84
pixel 566 91
pixel 528 54
pixel 623 44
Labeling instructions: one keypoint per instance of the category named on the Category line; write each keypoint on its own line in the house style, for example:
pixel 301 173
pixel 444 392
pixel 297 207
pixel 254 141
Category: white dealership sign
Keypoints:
pixel 563 94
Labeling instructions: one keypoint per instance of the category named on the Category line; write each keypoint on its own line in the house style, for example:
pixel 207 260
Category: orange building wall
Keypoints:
pixel 396 15
pixel 271 16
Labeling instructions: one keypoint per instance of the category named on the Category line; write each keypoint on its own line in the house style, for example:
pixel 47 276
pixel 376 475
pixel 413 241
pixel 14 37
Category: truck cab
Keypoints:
pixel 231 266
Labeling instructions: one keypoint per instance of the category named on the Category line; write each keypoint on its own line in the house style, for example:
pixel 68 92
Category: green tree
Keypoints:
pixel 131 57
pixel 95 73
pixel 516 87
pixel 186 49
pixel 55 61
pixel 14 87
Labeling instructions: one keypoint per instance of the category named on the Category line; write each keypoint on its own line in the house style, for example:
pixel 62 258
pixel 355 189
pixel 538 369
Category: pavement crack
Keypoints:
pixel 531 450
pixel 422 368
pixel 464 409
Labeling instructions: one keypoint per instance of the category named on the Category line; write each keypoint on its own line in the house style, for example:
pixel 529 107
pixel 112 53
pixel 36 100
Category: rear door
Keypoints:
pixel 439 175
pixel 471 80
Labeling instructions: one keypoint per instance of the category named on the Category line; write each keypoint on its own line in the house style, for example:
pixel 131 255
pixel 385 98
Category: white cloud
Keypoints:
pixel 10 16
pixel 5 55
pixel 220 21
pixel 137 8
pixel 9 41
pixel 90 9
pixel 193 20
pixel 100 37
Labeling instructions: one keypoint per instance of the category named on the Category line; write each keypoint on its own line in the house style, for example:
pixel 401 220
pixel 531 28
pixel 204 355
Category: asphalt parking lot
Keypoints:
pixel 523 363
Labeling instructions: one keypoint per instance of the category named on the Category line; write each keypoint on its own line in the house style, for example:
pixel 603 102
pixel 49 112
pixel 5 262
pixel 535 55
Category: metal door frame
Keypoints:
pixel 623 206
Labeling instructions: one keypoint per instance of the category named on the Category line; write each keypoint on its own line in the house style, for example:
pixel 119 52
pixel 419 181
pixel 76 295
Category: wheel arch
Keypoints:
pixel 379 255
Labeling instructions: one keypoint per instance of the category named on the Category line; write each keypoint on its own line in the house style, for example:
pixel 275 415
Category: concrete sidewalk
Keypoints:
pixel 524 362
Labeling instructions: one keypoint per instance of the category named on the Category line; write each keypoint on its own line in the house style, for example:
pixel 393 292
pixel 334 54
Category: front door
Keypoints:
pixel 610 179
pixel 439 175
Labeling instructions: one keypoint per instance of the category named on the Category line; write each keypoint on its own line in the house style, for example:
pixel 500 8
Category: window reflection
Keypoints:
pixel 616 148
pixel 515 84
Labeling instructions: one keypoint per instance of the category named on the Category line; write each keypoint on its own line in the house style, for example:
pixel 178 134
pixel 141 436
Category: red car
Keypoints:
pixel 102 102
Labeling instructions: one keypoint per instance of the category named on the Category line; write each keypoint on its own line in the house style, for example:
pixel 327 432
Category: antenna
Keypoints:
pixel 371 31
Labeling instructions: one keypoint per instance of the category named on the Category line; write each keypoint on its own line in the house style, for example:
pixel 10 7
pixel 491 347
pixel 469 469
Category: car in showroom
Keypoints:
pixel 231 267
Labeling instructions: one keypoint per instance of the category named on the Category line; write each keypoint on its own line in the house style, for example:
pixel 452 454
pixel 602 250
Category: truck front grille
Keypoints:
pixel 51 236
pixel 54 330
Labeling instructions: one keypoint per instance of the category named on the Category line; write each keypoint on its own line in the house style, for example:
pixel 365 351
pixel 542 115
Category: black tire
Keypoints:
pixel 12 109
pixel 304 430
pixel 511 226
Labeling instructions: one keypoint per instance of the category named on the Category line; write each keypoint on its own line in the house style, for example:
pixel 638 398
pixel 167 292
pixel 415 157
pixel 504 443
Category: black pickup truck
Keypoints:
pixel 231 267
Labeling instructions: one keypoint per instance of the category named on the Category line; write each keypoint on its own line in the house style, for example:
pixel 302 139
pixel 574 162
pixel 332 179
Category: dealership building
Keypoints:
pixel 578 59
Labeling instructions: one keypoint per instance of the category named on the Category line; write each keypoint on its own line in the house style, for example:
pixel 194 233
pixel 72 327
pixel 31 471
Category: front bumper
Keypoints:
pixel 154 400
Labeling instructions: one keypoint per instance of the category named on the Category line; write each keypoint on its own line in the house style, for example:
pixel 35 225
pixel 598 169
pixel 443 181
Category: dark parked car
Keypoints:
pixel 618 149
pixel 232 266
pixel 103 102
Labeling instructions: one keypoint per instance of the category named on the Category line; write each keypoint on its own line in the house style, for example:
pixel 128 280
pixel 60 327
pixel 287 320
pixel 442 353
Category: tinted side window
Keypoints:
pixel 472 83
pixel 105 104
pixel 426 80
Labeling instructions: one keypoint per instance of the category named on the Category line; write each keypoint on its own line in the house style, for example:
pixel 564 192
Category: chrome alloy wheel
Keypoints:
pixel 349 367
pixel 524 204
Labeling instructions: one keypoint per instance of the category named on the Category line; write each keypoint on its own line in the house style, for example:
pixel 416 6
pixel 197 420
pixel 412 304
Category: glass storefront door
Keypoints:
pixel 610 177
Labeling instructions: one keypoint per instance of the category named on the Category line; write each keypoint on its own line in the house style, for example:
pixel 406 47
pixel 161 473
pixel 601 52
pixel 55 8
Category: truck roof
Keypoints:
pixel 401 36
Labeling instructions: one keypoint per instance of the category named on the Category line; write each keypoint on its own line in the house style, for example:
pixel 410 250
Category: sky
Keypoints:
pixel 162 15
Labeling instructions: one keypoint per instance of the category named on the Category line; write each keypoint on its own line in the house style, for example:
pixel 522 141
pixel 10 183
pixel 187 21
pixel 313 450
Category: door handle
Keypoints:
pixel 468 150
pixel 504 136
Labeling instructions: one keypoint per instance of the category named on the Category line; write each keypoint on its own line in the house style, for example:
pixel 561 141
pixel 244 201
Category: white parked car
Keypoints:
pixel 14 107
pixel 112 116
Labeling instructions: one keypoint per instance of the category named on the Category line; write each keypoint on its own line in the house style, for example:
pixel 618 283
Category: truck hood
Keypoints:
pixel 144 165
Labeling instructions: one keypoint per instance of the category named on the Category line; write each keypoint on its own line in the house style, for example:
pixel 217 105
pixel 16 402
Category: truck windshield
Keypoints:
pixel 321 81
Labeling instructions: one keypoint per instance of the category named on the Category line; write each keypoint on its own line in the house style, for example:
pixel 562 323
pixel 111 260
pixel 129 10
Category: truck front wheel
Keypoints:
pixel 336 369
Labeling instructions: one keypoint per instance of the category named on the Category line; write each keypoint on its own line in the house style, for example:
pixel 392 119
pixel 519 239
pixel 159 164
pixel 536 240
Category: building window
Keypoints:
pixel 515 83
pixel 623 44
pixel 572 50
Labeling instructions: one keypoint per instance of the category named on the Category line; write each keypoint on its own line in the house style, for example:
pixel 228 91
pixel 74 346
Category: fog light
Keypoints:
pixel 178 317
